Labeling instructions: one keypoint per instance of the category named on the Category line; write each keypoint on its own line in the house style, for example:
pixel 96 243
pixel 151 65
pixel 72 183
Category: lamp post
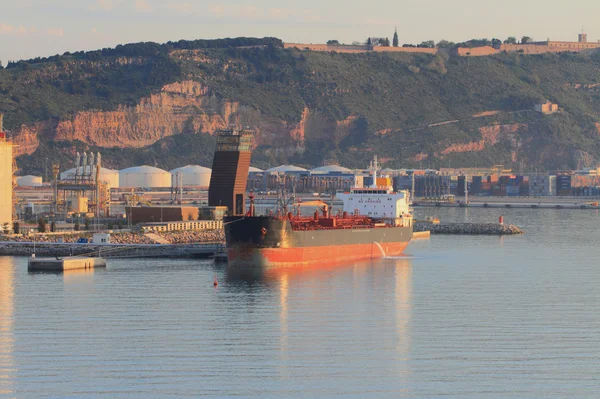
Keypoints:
pixel 33 232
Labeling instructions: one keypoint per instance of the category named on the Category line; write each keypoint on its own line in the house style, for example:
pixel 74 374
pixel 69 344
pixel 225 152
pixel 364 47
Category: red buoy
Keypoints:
pixel 215 282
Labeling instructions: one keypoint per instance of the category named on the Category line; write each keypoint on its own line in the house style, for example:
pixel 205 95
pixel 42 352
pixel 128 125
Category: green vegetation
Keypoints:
pixel 388 99
pixel 42 225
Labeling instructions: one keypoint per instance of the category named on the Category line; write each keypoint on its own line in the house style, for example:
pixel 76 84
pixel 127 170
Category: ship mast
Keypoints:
pixel 374 167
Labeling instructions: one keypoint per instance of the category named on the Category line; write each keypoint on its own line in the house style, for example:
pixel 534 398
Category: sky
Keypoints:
pixel 32 28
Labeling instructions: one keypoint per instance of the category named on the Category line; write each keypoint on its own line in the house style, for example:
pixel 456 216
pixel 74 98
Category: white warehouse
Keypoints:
pixel 192 176
pixel 144 177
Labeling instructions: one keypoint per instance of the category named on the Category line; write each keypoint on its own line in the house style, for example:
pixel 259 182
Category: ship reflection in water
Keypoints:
pixel 309 302
pixel 7 366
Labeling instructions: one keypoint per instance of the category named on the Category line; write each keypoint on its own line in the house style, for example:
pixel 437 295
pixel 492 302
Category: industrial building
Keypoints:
pixel 191 176
pixel 231 164
pixel 144 177
pixel 29 181
pixel 161 214
pixel 109 176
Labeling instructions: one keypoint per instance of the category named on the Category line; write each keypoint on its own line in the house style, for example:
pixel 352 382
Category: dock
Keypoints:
pixel 63 264
pixel 421 235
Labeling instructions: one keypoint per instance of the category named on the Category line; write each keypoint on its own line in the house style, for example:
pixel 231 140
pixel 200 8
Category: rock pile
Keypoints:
pixel 468 228
pixel 192 237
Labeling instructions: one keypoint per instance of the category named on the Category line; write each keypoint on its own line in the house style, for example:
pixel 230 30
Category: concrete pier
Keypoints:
pixel 63 264
pixel 468 228
pixel 54 249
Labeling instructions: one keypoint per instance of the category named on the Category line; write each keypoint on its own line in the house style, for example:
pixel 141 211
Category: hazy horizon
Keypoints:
pixel 46 27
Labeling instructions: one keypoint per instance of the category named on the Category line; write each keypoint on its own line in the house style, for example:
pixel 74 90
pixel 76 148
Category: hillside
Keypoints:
pixel 160 104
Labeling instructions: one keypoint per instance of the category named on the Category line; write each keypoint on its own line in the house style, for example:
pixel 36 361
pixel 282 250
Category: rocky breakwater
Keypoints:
pixel 468 228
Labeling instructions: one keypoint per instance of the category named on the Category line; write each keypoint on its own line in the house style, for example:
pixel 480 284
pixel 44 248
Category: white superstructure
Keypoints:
pixel 378 202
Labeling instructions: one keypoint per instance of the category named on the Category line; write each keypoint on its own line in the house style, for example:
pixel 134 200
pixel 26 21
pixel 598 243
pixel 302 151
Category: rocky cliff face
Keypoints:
pixel 180 108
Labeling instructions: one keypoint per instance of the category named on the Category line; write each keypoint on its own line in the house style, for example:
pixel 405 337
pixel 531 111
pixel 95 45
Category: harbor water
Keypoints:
pixel 460 316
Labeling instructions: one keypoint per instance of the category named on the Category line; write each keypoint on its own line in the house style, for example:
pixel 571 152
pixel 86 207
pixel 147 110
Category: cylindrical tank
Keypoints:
pixel 194 175
pixel 144 177
pixel 29 181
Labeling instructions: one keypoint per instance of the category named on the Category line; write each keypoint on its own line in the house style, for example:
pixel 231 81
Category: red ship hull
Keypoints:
pixel 261 242
pixel 308 256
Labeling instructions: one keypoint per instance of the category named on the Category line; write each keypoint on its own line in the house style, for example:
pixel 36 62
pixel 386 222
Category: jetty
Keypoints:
pixel 63 264
pixel 67 250
pixel 468 228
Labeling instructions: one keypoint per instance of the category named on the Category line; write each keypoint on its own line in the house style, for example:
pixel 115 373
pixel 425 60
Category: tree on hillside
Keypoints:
pixel 395 39
pixel 511 40
pixel 526 39
pixel 496 43
pixel 369 42
pixel 333 42
pixel 445 44
pixel 427 44
pixel 386 42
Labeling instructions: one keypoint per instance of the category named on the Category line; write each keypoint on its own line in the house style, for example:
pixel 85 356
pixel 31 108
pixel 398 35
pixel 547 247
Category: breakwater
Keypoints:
pixel 468 228
pixel 110 250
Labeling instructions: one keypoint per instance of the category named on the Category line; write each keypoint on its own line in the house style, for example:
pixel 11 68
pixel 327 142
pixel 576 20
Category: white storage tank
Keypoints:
pixel 193 176
pixel 107 175
pixel 323 170
pixel 144 177
pixel 286 169
pixel 29 181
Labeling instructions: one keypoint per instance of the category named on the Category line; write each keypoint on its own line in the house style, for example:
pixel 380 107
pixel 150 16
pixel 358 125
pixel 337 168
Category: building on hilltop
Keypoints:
pixel 546 108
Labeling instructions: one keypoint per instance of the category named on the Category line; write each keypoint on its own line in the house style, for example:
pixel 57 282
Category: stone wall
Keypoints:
pixel 476 51
pixel 360 49
pixel 421 50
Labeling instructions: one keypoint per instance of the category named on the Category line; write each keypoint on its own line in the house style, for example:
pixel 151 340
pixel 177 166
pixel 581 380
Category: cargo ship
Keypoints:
pixel 375 222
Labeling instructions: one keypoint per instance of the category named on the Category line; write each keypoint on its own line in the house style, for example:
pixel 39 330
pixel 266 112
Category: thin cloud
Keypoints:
pixel 104 5
pixel 223 11
pixel 13 30
pixel 143 6
pixel 58 32
pixel 279 13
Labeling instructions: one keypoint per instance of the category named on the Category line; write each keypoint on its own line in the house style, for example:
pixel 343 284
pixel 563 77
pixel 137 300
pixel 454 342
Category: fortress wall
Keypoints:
pixel 476 51
pixel 535 48
pixel 360 49
pixel 405 50
pixel 325 47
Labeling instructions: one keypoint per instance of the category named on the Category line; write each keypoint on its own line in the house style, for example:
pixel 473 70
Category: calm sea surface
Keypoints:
pixel 459 317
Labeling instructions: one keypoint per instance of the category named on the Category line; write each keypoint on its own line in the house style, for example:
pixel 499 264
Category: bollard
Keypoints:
pixel 501 220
